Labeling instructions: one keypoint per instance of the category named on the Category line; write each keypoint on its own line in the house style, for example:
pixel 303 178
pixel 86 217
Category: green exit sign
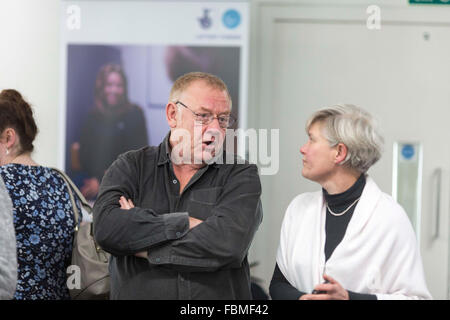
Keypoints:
pixel 429 2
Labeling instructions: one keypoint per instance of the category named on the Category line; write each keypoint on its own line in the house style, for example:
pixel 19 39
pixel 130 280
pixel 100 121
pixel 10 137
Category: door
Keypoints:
pixel 311 57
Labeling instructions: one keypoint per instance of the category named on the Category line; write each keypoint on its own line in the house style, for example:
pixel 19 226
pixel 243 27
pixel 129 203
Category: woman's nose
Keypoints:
pixel 303 149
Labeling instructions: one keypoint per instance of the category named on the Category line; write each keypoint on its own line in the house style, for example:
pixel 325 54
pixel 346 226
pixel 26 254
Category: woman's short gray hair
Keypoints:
pixel 356 129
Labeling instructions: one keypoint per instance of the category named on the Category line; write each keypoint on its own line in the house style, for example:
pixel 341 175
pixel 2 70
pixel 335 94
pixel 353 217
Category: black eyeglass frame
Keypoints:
pixel 230 122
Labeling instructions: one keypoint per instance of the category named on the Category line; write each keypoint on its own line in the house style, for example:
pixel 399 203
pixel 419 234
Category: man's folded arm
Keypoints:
pixel 223 239
pixel 126 232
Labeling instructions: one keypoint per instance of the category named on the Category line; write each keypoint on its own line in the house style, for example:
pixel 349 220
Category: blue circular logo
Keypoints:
pixel 408 151
pixel 231 19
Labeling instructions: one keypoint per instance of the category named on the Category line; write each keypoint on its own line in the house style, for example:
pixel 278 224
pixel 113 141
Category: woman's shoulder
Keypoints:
pixel 303 203
pixel 306 199
pixel 390 218
pixel 386 206
pixel 15 171
pixel 32 186
pixel 390 210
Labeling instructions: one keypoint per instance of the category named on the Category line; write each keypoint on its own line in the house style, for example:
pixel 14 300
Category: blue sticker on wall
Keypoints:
pixel 408 151
pixel 231 19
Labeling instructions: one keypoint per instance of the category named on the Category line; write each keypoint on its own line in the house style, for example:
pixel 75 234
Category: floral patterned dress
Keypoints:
pixel 44 225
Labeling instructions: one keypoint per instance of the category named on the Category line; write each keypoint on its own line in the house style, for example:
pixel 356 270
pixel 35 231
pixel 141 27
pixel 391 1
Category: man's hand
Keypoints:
pixel 143 254
pixel 125 204
pixel 333 289
pixel 193 222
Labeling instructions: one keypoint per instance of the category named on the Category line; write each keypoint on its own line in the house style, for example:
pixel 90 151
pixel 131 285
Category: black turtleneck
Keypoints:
pixel 335 227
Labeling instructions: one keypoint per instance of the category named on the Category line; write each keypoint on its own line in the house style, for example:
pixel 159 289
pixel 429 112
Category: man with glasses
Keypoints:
pixel 177 221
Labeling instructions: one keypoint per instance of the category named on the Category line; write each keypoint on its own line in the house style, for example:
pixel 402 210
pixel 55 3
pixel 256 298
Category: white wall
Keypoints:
pixel 29 63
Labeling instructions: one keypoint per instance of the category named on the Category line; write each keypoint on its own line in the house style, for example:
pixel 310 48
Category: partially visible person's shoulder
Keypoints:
pixel 94 115
pixel 391 214
pixel 234 161
pixel 232 165
pixel 134 161
pixel 142 154
pixel 300 208
pixel 46 175
pixel 389 206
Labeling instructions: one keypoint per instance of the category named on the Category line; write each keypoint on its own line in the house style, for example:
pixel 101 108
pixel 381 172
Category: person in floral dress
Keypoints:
pixel 42 210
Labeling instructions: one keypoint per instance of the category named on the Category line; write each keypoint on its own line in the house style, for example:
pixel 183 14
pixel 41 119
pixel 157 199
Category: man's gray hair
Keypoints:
pixel 184 81
pixel 356 129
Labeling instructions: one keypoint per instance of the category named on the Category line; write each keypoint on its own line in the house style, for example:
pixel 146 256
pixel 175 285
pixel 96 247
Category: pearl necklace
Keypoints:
pixel 343 212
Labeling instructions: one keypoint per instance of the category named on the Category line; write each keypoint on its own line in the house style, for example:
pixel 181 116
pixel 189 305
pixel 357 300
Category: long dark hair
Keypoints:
pixel 99 96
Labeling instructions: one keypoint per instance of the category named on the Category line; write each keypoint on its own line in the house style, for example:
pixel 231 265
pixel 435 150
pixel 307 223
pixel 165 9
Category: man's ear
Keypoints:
pixel 171 114
pixel 341 153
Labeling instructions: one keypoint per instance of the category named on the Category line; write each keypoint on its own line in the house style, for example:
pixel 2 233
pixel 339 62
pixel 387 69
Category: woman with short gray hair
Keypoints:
pixel 349 240
pixel 356 129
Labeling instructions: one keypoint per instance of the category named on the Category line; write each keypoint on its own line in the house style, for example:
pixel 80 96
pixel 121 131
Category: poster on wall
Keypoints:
pixel 120 59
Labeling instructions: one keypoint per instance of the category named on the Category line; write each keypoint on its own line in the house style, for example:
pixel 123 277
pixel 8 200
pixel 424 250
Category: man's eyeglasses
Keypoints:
pixel 225 121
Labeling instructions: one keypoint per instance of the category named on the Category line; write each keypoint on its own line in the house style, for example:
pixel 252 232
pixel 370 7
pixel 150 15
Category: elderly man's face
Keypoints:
pixel 206 139
pixel 318 156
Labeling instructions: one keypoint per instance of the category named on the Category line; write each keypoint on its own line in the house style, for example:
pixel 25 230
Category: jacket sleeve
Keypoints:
pixel 223 239
pixel 281 289
pixel 126 232
pixel 8 258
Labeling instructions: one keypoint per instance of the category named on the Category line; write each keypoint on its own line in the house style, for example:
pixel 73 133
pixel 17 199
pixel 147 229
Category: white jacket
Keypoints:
pixel 379 253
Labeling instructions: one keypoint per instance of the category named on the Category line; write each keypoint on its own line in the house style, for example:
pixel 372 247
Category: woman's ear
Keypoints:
pixel 171 114
pixel 9 137
pixel 341 153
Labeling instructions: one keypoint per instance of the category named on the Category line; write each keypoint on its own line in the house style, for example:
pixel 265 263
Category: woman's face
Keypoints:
pixel 114 89
pixel 318 156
